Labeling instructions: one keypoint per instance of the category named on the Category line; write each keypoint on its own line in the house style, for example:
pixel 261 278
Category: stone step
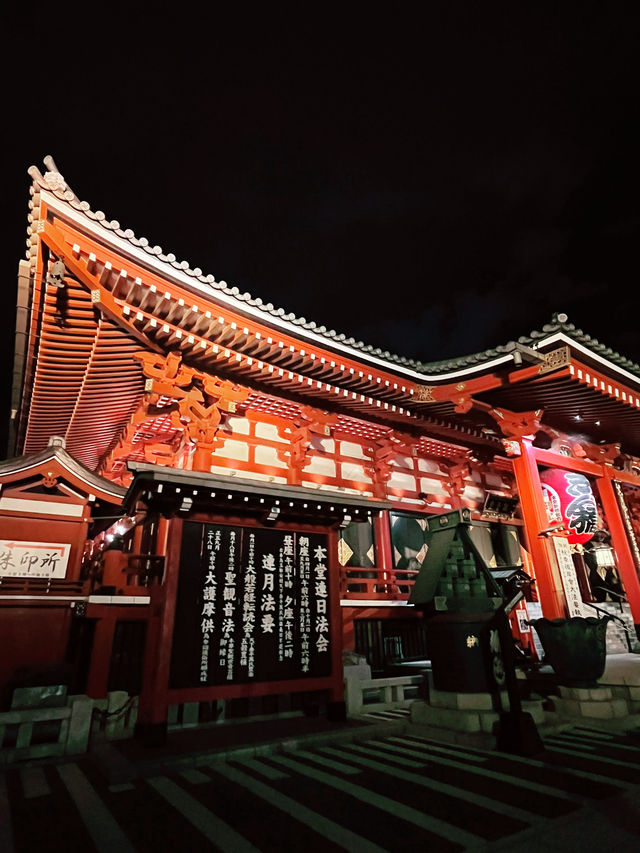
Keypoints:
pixel 598 702
pixel 468 719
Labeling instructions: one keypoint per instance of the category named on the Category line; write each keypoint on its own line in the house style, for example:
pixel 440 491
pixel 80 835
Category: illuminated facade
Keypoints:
pixel 259 465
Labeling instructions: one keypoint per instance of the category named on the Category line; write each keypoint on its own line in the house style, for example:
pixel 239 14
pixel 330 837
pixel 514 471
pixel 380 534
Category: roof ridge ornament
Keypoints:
pixel 52 180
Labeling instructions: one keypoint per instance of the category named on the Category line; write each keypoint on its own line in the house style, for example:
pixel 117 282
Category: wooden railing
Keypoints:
pixel 377 584
pixel 144 569
pixel 43 586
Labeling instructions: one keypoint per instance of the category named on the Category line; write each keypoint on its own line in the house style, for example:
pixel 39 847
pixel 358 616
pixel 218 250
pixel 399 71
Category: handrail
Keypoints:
pixel 611 592
pixel 615 618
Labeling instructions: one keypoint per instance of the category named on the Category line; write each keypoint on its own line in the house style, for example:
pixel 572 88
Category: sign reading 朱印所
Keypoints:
pixel 33 559
pixel 253 605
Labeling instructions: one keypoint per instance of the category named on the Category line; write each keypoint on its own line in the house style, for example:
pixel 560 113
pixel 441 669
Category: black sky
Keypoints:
pixel 434 186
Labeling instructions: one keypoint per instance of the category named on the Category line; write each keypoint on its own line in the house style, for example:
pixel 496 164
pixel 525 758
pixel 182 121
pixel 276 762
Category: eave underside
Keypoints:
pixel 86 385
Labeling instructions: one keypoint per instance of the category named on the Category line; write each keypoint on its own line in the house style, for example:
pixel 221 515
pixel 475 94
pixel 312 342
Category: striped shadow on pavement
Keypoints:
pixel 338 766
pixel 512 780
pixel 261 769
pixel 212 827
pixel 492 806
pixel 607 784
pixel 587 742
pixel 105 831
pixel 431 749
pixel 329 829
pixel 596 733
pixel 385 804
pixel 605 760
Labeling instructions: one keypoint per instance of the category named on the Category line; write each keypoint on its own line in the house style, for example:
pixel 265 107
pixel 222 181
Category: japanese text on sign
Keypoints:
pixel 33 559
pixel 263 606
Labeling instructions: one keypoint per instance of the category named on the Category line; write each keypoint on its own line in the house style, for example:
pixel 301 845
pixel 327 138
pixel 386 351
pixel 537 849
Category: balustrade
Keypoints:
pixel 376 584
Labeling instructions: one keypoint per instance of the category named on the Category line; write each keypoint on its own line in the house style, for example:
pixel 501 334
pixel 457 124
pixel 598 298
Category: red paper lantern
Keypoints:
pixel 569 499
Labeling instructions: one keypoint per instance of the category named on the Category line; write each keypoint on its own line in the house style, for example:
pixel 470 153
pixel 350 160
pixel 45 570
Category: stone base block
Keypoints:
pixel 602 709
pixel 465 701
pixel 448 718
pixel 586 694
pixel 469 718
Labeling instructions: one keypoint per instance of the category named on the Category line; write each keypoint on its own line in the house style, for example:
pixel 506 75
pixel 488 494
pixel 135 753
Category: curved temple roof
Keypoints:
pixel 559 328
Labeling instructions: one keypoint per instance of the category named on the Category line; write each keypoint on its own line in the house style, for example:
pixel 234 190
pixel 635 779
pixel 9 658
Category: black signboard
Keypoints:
pixel 253 605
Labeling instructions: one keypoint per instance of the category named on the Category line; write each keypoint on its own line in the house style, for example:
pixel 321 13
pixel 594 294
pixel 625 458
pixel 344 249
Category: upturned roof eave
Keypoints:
pixel 95 484
pixel 67 203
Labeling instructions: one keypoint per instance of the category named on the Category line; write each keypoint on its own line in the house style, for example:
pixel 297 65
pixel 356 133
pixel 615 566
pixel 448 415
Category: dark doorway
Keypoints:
pixel 127 656
pixel 387 642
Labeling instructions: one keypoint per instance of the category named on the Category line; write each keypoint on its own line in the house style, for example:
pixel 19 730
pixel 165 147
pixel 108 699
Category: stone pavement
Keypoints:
pixel 374 784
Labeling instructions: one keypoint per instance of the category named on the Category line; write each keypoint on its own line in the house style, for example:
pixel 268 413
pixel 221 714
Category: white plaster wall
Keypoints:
pixel 351 471
pixel 240 426
pixel 432 487
pixel 269 431
pixel 233 450
pixel 429 465
pixel 268 456
pixel 320 465
pixel 348 448
pixel 400 480
pixel 327 445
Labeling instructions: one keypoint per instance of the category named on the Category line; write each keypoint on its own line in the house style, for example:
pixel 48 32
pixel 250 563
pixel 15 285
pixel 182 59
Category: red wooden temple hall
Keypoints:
pixel 210 499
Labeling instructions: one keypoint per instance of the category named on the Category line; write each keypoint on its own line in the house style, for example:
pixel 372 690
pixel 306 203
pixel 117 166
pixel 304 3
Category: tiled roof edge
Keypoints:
pixel 54 182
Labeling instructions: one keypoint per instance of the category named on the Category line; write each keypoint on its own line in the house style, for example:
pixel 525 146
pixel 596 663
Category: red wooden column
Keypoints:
pixel 534 516
pixel 335 621
pixel 97 681
pixel 383 545
pixel 620 543
pixel 153 705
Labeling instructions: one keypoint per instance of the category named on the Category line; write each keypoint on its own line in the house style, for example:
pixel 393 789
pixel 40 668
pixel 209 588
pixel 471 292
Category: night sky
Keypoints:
pixel 434 187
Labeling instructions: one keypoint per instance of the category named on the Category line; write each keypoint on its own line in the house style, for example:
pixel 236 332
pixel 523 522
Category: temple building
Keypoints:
pixel 210 500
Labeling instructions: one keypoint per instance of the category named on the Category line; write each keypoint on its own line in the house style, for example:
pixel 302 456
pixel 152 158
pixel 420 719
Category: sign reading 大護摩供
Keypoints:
pixel 253 605
pixel 33 559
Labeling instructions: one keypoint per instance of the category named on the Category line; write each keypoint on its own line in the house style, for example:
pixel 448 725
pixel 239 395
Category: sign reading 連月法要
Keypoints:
pixel 253 605
pixel 33 559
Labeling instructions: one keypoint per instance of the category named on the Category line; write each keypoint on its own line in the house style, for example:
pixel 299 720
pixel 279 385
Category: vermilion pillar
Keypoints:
pixel 153 702
pixel 383 546
pixel 620 544
pixel 534 515
pixel 97 681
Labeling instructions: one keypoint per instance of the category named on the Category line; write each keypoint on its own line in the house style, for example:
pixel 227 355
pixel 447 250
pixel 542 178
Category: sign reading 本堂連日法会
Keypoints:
pixel 253 605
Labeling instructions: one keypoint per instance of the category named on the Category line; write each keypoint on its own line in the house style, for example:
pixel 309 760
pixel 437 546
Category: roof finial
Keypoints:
pixel 560 317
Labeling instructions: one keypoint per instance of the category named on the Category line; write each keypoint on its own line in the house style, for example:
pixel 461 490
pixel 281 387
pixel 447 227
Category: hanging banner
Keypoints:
pixel 253 605
pixel 569 500
pixel 569 578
